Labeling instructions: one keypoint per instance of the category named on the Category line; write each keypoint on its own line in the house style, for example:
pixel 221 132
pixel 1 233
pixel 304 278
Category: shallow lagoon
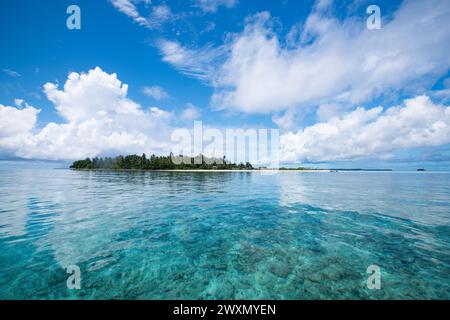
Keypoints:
pixel 166 235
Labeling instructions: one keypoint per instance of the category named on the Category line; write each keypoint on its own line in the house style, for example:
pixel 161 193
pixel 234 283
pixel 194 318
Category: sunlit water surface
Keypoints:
pixel 144 235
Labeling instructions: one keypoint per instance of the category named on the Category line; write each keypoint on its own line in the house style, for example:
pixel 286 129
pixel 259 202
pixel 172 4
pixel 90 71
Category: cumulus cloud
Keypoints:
pixel 155 92
pixel 15 122
pixel 213 5
pixel 190 113
pixel 98 117
pixel 373 132
pixel 15 127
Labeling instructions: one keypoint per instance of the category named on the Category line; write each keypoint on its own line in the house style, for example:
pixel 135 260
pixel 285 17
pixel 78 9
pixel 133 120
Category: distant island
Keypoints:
pixel 136 162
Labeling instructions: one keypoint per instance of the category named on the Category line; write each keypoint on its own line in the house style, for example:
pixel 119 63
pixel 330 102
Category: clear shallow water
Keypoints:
pixel 223 235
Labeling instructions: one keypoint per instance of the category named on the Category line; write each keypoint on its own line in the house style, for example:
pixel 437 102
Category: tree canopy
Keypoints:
pixel 136 162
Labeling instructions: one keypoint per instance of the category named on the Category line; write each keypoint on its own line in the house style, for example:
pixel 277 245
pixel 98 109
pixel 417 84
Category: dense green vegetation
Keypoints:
pixel 135 162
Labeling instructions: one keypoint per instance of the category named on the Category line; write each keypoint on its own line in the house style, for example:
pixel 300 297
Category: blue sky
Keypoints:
pixel 310 68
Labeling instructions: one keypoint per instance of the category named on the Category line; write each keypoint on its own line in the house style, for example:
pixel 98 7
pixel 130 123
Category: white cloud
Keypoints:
pixel 374 132
pixel 155 92
pixel 162 12
pixel 15 122
pixel 200 63
pixel 323 61
pixel 15 127
pixel 335 61
pixel 87 94
pixel 158 113
pixel 98 116
pixel 285 121
pixel 328 111
pixel 158 15
pixel 213 5
pixel 129 8
pixel 190 113
pixel 18 102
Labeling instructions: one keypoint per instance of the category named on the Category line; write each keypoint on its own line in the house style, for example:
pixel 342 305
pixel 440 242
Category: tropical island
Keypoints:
pixel 174 163
pixel 136 162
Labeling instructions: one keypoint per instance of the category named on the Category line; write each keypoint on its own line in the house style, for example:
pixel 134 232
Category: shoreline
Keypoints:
pixel 244 170
pixel 207 170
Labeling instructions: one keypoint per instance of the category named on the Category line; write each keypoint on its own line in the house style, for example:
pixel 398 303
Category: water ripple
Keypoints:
pixel 138 235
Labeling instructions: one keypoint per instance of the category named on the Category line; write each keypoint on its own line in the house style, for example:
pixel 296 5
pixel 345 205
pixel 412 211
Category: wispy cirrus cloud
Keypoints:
pixel 154 17
pixel 11 73
pixel 200 63
pixel 129 8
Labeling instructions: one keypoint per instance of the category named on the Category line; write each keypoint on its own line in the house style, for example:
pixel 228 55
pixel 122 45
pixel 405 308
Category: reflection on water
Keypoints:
pixel 223 235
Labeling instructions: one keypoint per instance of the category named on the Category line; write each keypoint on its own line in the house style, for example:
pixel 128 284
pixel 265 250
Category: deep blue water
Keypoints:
pixel 139 235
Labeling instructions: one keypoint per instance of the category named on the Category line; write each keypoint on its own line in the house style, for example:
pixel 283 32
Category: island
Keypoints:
pixel 136 162
pixel 198 163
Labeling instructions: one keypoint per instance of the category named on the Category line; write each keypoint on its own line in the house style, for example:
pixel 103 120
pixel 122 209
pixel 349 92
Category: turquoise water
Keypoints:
pixel 138 235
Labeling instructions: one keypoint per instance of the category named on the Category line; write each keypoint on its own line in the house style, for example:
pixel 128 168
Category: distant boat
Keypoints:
pixel 422 169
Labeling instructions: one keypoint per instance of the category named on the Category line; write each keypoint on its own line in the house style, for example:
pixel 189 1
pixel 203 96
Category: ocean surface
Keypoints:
pixel 150 235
